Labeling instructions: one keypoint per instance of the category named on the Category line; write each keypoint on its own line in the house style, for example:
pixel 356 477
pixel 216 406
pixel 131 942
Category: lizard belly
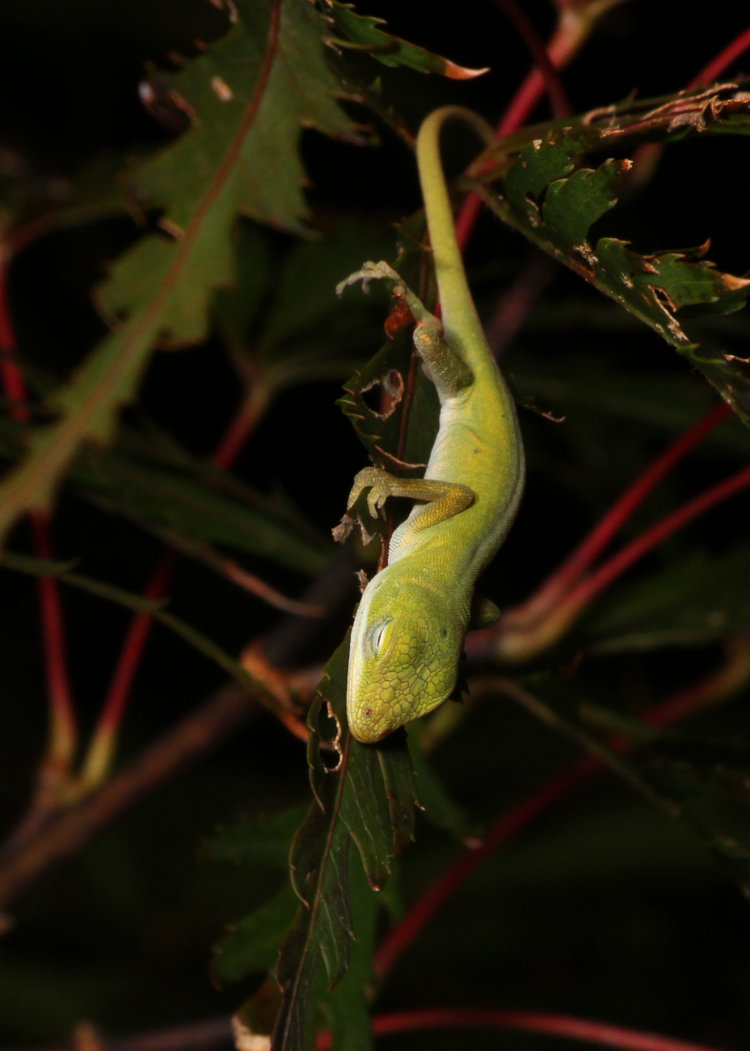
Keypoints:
pixel 469 450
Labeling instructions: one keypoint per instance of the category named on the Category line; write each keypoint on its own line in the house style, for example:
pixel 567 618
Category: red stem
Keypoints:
pixel 725 58
pixel 562 45
pixel 62 720
pixel 401 936
pixel 675 707
pixel 558 99
pixel 62 730
pixel 227 450
pixel 132 649
pixel 241 426
pixel 565 1026
pixel 398 939
pixel 592 545
pixel 625 558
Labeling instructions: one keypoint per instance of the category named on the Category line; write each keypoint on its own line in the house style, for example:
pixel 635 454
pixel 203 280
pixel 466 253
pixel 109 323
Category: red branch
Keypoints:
pixel 565 1026
pixel 541 800
pixel 132 648
pixel 717 65
pixel 558 99
pixel 592 545
pixel 401 936
pixel 62 720
pixel 563 44
pixel 230 445
pixel 674 708
pixel 657 533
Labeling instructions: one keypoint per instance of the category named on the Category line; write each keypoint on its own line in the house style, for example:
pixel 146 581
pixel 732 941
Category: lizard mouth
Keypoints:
pixel 369 730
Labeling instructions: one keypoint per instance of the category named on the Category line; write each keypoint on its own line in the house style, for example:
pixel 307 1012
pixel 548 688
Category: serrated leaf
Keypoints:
pixel 351 804
pixel 320 877
pixel 572 205
pixel 378 395
pixel 399 782
pixel 87 405
pixel 345 1007
pixel 322 927
pixel 364 32
pixel 248 98
pixel 546 193
pixel 378 801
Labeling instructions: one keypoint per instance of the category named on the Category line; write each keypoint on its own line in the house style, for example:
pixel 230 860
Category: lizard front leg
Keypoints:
pixel 442 500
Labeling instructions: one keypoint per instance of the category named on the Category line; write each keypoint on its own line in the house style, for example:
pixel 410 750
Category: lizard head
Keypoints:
pixel 404 653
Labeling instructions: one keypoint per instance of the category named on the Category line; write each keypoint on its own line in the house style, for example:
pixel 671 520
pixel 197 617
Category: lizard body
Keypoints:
pixel 409 628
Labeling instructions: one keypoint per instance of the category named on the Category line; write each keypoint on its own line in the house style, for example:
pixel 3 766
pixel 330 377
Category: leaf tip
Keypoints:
pixel 455 72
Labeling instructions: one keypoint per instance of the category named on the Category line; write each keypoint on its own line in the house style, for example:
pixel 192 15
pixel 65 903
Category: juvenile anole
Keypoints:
pixel 409 628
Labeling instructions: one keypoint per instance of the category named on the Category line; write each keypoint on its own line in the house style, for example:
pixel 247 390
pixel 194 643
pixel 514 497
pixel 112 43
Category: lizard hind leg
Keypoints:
pixel 447 370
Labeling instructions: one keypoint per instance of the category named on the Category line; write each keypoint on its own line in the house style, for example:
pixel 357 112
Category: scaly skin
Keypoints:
pixel 409 629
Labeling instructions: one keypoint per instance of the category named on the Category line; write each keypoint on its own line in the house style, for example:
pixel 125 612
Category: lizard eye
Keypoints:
pixel 377 636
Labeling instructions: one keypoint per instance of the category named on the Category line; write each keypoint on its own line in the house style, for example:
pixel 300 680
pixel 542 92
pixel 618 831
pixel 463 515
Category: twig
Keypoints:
pixel 520 642
pixel 214 1032
pixel 565 1026
pixel 54 768
pixel 100 752
pixel 568 574
pixel 558 99
pixel 208 1033
pixel 647 157
pixel 716 67
pixel 517 302
pixel 733 674
pixel 572 30
pixel 204 729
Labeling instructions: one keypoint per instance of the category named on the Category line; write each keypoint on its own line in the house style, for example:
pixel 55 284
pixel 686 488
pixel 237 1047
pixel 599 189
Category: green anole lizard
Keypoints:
pixel 409 628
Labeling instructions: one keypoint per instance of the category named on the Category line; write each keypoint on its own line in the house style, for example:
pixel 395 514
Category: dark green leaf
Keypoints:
pixel 698 601
pixel 547 194
pixel 440 808
pixel 251 946
pixel 240 157
pixel 197 505
pixel 258 840
pixel 345 1007
pixel 702 781
pixel 709 779
pixel 378 395
pixel 357 789
pixel 283 322
pixel 364 32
